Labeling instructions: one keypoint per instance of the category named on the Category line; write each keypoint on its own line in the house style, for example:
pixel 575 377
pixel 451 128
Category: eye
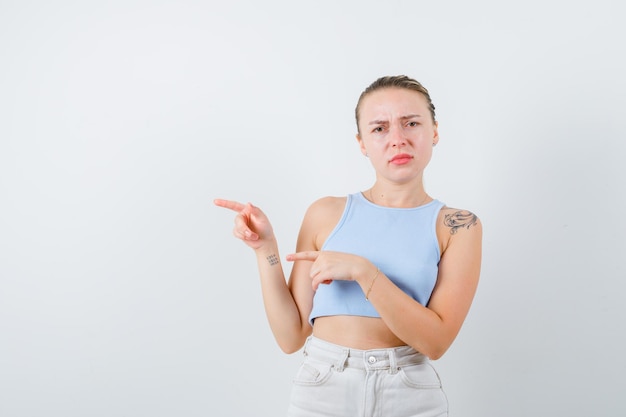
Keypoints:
pixel 412 124
pixel 378 129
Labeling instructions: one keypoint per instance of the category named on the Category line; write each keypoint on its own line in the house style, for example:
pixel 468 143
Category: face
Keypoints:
pixel 397 133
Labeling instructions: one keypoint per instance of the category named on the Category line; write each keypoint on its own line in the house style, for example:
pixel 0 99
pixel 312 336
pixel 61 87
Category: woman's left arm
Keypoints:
pixel 432 329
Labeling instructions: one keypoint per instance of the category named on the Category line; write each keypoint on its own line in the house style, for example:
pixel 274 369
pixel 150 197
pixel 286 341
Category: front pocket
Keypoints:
pixel 420 376
pixel 313 372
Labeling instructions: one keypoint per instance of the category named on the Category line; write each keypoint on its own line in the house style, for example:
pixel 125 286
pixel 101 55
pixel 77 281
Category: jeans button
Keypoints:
pixel 371 359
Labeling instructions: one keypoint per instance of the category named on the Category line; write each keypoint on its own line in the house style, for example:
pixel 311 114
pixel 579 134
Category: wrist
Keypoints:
pixel 267 251
pixel 369 285
pixel 364 274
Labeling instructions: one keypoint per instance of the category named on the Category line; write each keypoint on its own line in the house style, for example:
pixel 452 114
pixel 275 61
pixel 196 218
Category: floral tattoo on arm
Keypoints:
pixel 460 219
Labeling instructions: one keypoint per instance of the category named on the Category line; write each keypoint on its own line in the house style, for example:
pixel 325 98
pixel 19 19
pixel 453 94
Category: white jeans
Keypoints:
pixel 335 381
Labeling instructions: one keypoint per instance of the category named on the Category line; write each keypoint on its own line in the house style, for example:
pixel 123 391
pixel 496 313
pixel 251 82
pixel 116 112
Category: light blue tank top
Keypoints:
pixel 402 242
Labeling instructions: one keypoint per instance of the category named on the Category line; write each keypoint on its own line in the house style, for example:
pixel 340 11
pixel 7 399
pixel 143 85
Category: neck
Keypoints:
pixel 398 196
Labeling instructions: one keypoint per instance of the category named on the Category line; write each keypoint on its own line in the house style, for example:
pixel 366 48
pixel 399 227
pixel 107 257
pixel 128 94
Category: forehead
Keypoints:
pixel 393 102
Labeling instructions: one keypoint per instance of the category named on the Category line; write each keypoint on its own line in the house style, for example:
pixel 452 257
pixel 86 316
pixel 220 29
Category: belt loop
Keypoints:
pixel 341 361
pixel 393 364
pixel 306 344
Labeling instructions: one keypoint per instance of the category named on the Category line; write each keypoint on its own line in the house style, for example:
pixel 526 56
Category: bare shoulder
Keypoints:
pixel 455 220
pixel 327 205
pixel 454 224
pixel 321 218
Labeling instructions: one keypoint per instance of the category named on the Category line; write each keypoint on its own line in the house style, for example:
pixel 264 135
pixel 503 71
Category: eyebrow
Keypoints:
pixel 407 117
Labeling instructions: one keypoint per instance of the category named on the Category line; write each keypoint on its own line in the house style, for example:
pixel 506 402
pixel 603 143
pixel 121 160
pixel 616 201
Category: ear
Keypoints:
pixel 436 135
pixel 361 144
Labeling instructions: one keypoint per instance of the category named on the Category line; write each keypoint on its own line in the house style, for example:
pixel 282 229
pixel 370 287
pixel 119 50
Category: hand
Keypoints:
pixel 251 225
pixel 329 266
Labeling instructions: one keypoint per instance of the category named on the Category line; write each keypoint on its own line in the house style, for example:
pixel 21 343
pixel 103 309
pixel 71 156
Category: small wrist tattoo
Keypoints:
pixel 272 259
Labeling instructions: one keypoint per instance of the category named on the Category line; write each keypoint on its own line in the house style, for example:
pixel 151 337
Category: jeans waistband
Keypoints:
pixel 373 359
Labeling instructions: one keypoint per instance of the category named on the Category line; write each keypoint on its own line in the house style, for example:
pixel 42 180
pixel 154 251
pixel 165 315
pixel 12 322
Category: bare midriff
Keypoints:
pixel 355 332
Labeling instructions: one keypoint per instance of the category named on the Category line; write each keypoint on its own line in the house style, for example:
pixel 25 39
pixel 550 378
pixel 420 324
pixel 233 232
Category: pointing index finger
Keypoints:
pixel 229 204
pixel 303 256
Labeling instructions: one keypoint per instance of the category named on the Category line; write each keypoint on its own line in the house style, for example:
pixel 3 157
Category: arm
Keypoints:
pixel 432 329
pixel 286 306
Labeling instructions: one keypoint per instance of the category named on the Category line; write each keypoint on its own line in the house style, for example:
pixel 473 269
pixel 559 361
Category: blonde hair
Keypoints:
pixel 395 81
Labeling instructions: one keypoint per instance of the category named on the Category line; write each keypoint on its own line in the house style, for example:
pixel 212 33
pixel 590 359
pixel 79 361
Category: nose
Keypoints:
pixel 396 136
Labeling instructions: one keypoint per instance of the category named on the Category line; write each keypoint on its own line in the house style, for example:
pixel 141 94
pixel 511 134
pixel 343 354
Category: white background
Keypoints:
pixel 122 290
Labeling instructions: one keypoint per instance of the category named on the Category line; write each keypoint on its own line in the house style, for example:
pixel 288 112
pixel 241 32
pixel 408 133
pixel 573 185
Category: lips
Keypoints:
pixel 401 158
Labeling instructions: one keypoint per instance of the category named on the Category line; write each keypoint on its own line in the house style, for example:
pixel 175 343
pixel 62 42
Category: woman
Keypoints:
pixel 382 280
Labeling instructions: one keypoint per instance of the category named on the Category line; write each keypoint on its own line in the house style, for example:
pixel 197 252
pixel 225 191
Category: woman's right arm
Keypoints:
pixel 287 305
